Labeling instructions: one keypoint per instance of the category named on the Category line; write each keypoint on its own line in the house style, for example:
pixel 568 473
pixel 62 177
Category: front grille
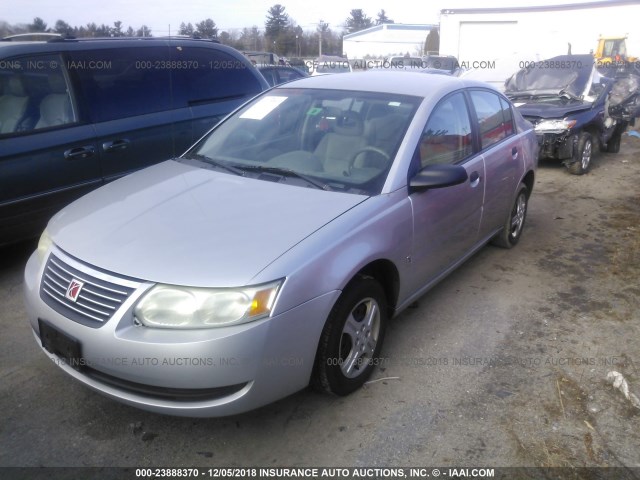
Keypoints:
pixel 97 301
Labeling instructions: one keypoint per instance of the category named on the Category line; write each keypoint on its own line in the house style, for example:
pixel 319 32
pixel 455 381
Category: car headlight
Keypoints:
pixel 549 126
pixel 168 306
pixel 44 244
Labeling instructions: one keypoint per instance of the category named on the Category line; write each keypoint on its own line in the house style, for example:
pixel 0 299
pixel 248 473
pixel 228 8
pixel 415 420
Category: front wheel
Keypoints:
pixel 613 145
pixel 513 226
pixel 582 155
pixel 352 338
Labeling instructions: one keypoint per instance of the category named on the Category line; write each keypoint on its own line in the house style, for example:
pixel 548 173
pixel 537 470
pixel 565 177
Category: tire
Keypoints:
pixel 352 338
pixel 582 155
pixel 613 145
pixel 510 234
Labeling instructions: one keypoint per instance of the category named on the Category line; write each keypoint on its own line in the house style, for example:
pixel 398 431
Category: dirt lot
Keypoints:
pixel 504 363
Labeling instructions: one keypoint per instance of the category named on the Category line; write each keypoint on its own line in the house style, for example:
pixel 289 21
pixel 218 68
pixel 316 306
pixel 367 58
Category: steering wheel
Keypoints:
pixel 359 152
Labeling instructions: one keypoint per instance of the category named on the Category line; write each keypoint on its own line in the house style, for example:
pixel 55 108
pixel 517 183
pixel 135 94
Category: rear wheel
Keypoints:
pixel 512 230
pixel 352 338
pixel 582 155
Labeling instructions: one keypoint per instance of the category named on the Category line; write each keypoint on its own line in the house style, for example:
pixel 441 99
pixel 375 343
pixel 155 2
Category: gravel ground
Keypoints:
pixel 504 363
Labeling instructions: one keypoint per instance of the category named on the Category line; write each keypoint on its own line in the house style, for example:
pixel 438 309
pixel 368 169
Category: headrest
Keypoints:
pixel 349 123
pixel 14 87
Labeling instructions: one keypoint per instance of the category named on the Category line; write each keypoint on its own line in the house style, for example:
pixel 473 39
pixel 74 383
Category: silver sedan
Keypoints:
pixel 272 254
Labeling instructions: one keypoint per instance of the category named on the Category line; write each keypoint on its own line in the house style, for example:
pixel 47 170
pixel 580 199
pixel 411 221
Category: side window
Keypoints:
pixel 123 82
pixel 447 135
pixel 491 117
pixel 210 75
pixel 507 114
pixel 269 76
pixel 288 75
pixel 34 94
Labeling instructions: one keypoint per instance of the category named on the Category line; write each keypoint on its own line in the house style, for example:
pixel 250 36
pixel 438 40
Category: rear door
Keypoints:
pixel 502 150
pixel 49 154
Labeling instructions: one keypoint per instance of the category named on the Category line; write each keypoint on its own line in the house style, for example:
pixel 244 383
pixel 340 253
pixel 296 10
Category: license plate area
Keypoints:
pixel 58 343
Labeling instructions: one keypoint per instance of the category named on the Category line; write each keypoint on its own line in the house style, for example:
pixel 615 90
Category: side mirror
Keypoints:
pixel 438 176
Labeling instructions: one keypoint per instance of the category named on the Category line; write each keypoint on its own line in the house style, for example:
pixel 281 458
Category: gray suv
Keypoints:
pixel 75 114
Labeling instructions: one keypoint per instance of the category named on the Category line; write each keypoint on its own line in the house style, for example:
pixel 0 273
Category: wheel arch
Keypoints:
pixel 386 274
pixel 529 180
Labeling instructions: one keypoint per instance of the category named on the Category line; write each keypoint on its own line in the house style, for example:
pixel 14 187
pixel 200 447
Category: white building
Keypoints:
pixel 390 39
pixel 536 32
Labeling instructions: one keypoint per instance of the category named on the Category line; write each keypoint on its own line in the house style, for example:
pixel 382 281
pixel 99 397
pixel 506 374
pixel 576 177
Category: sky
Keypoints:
pixel 160 15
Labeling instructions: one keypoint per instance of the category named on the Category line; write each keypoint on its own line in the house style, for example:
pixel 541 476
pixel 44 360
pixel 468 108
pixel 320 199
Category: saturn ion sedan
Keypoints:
pixel 272 254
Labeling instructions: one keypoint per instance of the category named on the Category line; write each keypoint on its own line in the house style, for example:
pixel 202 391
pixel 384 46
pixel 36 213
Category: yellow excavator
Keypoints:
pixel 612 50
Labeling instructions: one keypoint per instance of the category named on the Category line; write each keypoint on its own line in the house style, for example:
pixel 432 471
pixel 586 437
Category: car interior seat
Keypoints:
pixel 13 104
pixel 385 133
pixel 55 108
pixel 338 147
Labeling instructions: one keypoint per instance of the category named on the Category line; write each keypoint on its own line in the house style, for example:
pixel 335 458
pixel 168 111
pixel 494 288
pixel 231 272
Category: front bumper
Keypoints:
pixel 559 146
pixel 196 373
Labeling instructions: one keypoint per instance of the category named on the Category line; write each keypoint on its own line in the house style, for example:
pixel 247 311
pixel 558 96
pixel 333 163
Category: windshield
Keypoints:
pixel 337 140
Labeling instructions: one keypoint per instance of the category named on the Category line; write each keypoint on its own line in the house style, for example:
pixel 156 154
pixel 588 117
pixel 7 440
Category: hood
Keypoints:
pixel 566 73
pixel 180 224
pixel 551 109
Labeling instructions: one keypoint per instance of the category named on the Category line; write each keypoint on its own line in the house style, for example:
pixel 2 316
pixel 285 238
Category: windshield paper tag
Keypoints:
pixel 263 107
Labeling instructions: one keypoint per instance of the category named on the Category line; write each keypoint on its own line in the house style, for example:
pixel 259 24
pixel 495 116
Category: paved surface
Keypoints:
pixel 503 364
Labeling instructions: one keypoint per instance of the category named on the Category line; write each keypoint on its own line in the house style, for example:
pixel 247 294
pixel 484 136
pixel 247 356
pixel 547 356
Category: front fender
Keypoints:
pixel 379 228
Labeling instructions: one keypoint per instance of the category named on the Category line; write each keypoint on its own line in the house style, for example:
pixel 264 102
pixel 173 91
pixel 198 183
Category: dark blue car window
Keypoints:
pixel 35 94
pixel 123 82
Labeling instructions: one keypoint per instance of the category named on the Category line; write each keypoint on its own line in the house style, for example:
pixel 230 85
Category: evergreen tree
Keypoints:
pixel 38 25
pixel 357 21
pixel 207 29
pixel 432 43
pixel 382 18
pixel 277 22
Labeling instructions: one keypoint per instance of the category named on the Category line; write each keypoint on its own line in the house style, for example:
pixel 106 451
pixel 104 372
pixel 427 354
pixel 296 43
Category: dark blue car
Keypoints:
pixel 75 114
pixel 569 103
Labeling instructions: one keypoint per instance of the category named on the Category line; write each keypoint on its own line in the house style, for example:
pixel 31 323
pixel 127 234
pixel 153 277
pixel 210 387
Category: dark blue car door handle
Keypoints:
pixel 514 152
pixel 474 179
pixel 116 145
pixel 79 152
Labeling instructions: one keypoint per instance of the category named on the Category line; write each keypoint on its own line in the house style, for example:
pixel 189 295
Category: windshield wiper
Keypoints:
pixel 287 172
pixel 217 163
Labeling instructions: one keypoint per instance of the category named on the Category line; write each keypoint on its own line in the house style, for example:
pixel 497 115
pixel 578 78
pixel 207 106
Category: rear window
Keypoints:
pixel 491 118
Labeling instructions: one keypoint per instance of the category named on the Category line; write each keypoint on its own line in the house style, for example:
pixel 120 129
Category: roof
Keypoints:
pixel 396 82
pixel 18 47
pixel 539 8
pixel 391 26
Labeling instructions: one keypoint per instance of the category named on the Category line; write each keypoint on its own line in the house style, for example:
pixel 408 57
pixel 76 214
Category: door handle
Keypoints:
pixel 474 179
pixel 514 153
pixel 116 145
pixel 80 152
